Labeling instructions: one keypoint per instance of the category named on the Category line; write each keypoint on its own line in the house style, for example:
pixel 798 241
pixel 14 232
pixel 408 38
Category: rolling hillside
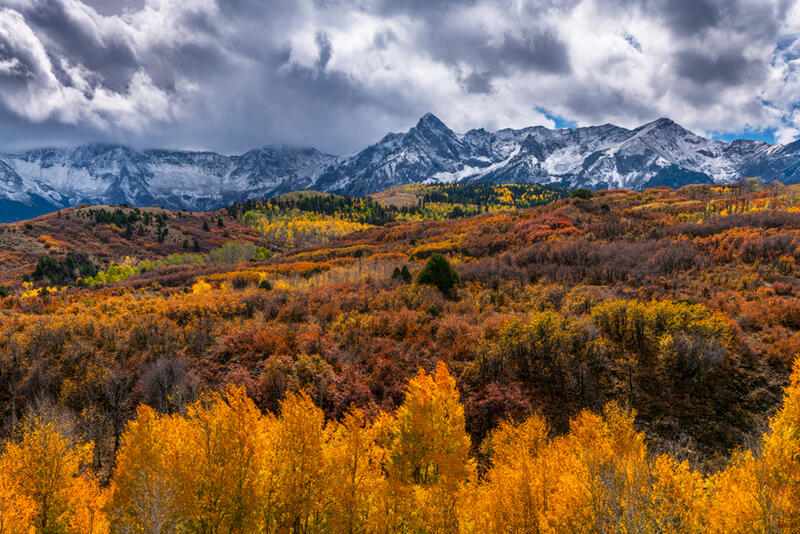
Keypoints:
pixel 648 332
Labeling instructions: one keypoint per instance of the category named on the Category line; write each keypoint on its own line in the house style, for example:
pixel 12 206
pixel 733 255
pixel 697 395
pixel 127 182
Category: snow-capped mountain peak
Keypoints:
pixel 660 152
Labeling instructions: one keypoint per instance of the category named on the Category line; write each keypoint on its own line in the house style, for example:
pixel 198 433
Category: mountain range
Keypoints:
pixel 657 153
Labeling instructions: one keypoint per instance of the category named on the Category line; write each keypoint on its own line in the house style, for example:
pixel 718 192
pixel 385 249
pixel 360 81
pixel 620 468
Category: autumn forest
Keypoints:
pixel 452 358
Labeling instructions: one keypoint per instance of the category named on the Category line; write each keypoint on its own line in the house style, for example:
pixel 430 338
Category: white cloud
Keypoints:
pixel 241 73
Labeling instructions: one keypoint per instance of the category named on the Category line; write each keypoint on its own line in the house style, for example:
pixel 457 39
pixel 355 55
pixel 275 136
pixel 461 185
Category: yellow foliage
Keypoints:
pixel 43 477
pixel 223 466
pixel 359 490
pixel 281 285
pixel 512 496
pixel 200 287
pixel 760 493
pixel 142 494
pixel 301 228
pixel 17 510
pixel 30 291
pixel 429 451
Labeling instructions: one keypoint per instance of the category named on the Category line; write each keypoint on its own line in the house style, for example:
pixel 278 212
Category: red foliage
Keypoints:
pixel 494 403
pixel 546 226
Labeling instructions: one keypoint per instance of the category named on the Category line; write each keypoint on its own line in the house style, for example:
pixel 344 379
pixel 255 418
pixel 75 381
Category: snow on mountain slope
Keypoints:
pixel 44 180
pixel 657 153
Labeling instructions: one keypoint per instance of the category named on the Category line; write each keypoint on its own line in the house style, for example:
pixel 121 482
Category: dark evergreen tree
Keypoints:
pixel 438 272
pixel 580 193
pixel 405 274
pixel 402 274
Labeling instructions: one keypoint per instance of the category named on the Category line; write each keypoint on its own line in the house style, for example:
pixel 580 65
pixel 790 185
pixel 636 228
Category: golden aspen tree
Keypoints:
pixel 603 476
pixel 733 505
pixel 144 494
pixel 297 465
pixel 676 496
pixel 225 477
pixel 90 516
pixel 781 456
pixel 762 494
pixel 270 459
pixel 355 463
pixel 49 468
pixel 513 494
pixel 200 473
pixel 429 453
pixel 629 483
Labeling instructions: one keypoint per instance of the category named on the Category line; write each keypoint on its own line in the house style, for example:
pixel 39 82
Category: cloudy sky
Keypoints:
pixel 230 75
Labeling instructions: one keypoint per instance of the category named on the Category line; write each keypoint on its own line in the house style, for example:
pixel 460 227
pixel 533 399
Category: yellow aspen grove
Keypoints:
pixel 301 490
pixel 781 458
pixel 225 479
pixel 733 505
pixel 597 478
pixel 224 467
pixel 604 476
pixel 512 497
pixel 677 492
pixel 45 473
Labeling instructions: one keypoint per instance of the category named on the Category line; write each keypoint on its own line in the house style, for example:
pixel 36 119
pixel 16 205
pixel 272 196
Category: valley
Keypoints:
pixel 672 312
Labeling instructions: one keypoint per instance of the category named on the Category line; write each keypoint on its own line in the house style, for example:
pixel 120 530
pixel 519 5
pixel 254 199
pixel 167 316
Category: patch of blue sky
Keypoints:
pixel 766 135
pixel 559 121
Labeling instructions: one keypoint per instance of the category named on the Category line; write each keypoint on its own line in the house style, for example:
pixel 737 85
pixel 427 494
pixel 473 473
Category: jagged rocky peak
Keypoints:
pixel 431 122
pixel 430 128
pixel 665 122
pixel 432 134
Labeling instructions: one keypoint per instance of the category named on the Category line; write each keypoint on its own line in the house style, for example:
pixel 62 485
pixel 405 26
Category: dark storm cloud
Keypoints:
pixel 597 103
pixel 200 61
pixel 533 50
pixel 200 22
pixel 21 67
pixel 542 51
pixel 478 82
pixel 534 46
pixel 337 74
pixel 688 17
pixel 417 7
pixel 759 19
pixel 728 68
pixel 75 37
pixel 683 17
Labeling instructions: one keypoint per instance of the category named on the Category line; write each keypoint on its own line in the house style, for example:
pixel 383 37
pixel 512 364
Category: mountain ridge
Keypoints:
pixel 660 152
